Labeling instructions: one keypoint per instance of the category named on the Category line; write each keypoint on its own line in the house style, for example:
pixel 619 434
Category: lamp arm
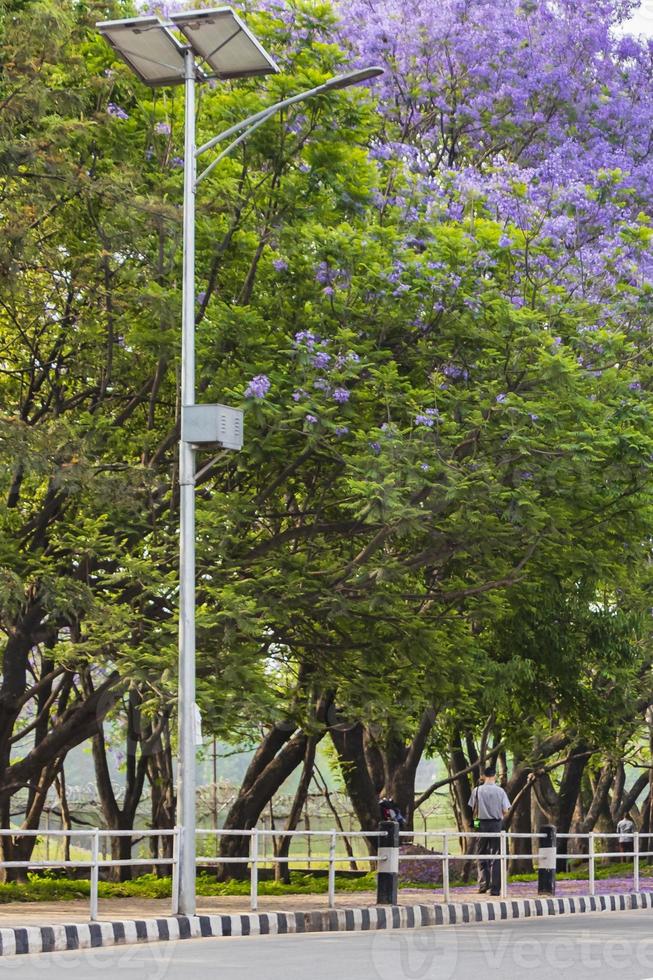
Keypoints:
pixel 232 146
pixel 265 113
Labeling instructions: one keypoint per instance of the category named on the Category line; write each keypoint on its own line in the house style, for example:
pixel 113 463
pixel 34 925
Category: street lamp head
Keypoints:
pixel 351 78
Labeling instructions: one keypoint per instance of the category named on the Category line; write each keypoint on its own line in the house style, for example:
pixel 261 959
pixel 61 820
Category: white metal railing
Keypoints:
pixel 255 858
pixel 96 861
pixel 453 848
pixel 446 856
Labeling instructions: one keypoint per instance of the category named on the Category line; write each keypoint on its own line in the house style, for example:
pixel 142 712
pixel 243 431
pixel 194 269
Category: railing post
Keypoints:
pixel 175 870
pixel 446 892
pixel 547 859
pixel 503 863
pixel 592 853
pixel 387 873
pixel 636 862
pixel 332 870
pixel 95 873
pixel 253 881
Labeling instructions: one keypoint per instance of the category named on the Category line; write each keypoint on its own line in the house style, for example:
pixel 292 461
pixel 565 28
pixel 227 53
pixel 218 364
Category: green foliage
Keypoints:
pixel 41 888
pixel 436 451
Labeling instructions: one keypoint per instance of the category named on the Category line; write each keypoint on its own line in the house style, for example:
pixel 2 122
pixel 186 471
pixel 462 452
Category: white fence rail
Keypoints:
pixel 96 861
pixel 451 847
pixel 446 856
pixel 255 858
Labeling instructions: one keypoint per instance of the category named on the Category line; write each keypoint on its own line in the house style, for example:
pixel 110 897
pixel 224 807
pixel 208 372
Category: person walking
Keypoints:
pixel 491 804
pixel 626 831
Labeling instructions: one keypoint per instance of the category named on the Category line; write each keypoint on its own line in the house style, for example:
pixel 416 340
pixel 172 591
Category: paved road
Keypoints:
pixel 590 946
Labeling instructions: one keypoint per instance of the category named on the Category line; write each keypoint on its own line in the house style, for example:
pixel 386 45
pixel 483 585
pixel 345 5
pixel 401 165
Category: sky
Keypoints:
pixel 642 22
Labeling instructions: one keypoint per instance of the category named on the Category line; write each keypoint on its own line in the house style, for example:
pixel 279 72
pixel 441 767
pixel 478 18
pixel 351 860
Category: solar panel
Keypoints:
pixel 225 42
pixel 148 47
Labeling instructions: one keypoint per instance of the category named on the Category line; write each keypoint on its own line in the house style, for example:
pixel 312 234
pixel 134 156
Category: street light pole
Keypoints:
pixel 153 52
pixel 187 739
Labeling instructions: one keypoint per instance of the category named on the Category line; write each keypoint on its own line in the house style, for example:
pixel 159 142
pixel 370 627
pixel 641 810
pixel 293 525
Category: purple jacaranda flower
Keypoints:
pixel 526 475
pixel 116 111
pixel 426 420
pixel 455 372
pixel 306 337
pixel 258 387
pixel 280 265
pixel 505 241
pixel 321 360
pixel 162 128
pixel 321 384
pixel 433 411
pixel 323 274
pixel 634 386
pixel 328 291
pixel 298 395
pixel 375 447
pixel 501 397
pixel 424 466
pixel 517 301
pixel 311 419
pixel 557 341
pixel 533 417
pixel 342 430
pixel 340 395
pixel 177 162
pixel 201 297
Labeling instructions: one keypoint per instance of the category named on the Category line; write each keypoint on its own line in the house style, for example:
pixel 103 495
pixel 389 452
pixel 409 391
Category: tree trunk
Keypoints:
pixel 521 824
pixel 349 744
pixel 261 782
pixel 282 870
pixel 66 822
pixel 461 789
pixel 122 817
pixel 163 799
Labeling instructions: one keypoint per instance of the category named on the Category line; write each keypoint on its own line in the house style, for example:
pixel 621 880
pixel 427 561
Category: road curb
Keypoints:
pixel 51 939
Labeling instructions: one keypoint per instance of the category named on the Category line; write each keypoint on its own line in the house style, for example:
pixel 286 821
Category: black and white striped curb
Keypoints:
pixel 49 939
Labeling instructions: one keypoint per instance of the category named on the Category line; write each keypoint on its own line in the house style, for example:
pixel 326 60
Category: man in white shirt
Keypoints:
pixel 626 831
pixel 491 804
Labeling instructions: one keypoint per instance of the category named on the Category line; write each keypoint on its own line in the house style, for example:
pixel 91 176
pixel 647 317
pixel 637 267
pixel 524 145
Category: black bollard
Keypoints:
pixel 387 876
pixel 546 861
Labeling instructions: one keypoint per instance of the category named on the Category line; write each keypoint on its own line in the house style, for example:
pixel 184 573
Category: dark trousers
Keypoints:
pixel 490 876
pixel 626 847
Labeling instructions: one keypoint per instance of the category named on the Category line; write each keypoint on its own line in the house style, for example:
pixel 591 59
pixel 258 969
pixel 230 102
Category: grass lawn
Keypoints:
pixel 43 888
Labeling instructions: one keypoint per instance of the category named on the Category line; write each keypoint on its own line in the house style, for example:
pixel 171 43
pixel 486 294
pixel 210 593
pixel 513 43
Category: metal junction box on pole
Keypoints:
pixel 212 426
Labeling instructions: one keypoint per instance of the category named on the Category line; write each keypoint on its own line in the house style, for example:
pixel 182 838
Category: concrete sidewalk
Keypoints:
pixel 112 909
